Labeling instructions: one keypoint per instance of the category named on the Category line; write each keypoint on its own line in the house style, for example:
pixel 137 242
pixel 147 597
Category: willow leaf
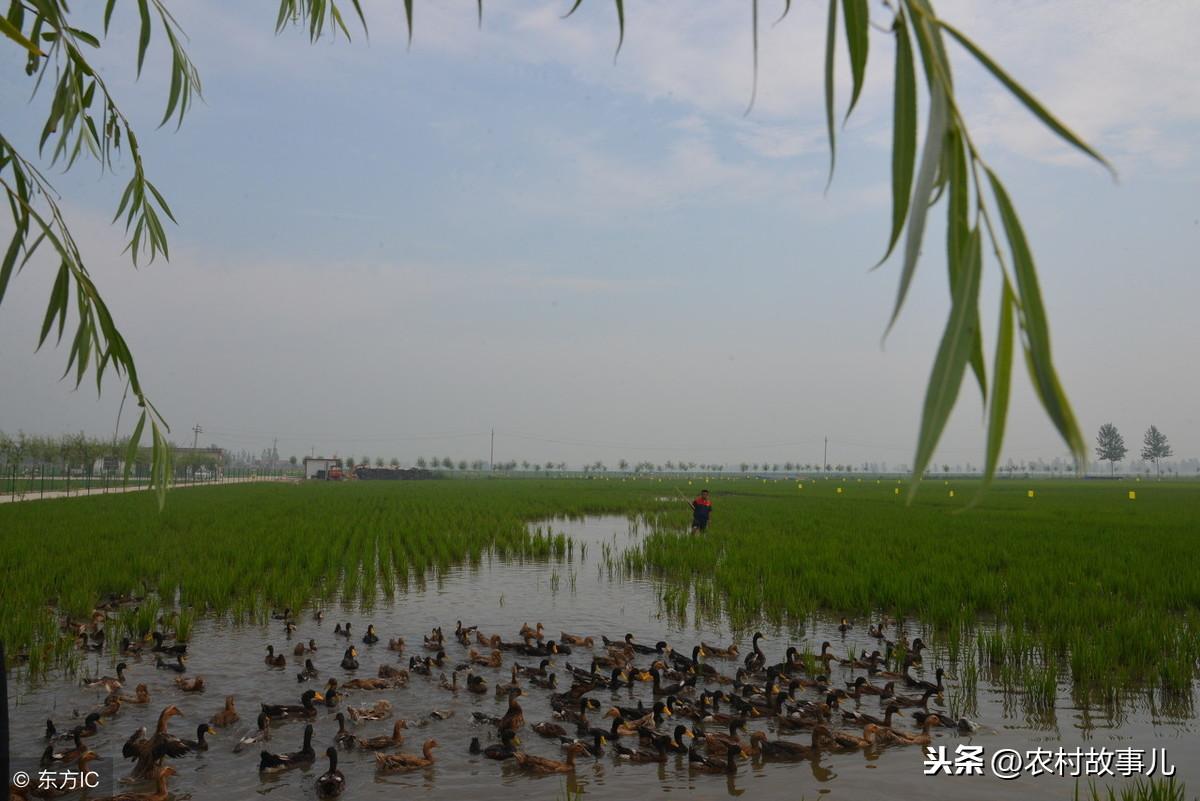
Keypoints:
pixel 1035 326
pixel 754 51
pixel 13 32
pixel 858 22
pixel 957 233
pixel 1001 379
pixel 951 362
pixel 830 54
pixel 143 33
pixel 904 133
pixel 931 155
pixel 134 440
pixel 1029 101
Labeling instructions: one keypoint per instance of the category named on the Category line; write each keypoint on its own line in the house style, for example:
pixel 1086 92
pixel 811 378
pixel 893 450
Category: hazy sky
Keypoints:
pixel 388 252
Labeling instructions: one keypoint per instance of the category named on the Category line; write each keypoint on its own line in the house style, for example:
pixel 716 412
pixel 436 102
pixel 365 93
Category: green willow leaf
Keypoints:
pixel 858 22
pixel 13 32
pixel 1018 91
pixel 134 441
pixel 408 19
pixel 952 357
pixel 1035 326
pixel 904 133
pixel 957 233
pixel 57 306
pixel 108 12
pixel 143 34
pixel 620 27
pixel 931 155
pixel 1001 379
pixel 830 55
pixel 787 6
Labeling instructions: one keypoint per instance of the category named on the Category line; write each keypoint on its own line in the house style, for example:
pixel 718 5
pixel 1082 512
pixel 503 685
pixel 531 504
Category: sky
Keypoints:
pixel 391 251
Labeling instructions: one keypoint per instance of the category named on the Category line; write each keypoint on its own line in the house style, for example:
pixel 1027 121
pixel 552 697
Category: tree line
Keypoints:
pixel 1110 447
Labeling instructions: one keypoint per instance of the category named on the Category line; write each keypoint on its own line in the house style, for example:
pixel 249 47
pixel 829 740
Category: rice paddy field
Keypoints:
pixel 1067 617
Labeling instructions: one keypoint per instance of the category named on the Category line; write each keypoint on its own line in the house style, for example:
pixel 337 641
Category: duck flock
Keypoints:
pixel 707 708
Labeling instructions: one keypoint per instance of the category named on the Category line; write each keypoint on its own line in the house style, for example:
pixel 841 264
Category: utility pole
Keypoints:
pixel 274 453
pixel 196 432
pixel 492 453
pixel 825 463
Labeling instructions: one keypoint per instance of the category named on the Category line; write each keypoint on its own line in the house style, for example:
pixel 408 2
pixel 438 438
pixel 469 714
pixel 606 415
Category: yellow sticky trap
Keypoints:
pixel 839 490
pixel 951 493
pixel 689 482
pixel 1029 494
pixel 799 486
pixel 1132 495
pixel 897 490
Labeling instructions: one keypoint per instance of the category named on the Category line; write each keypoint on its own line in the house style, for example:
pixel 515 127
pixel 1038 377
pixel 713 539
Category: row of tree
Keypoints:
pixel 1110 447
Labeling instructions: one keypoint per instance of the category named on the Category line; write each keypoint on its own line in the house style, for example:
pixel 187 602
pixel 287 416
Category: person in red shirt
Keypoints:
pixel 701 511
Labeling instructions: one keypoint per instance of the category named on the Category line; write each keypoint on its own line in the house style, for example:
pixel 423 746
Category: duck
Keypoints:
pixel 541 648
pixel 109 683
pixel 513 684
pixel 176 666
pixel 67 757
pixel 711 764
pixel 544 765
pixel 262 734
pixel 309 672
pixel 844 626
pixel 349 659
pixel 195 685
pixel 289 629
pixel 962 724
pixel 160 792
pixel 331 783
pixel 717 742
pixel 852 741
pixel 548 728
pixel 903 700
pixel 368 684
pixel 670 689
pixel 398 675
pixel 227 716
pixel 576 639
pixel 656 753
pixel 782 750
pixel 305 710
pixel 593 747
pixel 549 682
pixel 200 743
pixel 340 631
pixel 498 751
pixel 921 738
pixel 435 641
pixel 277 763
pixel 863 718
pixel 343 738
pixel 91 725
pixel 756 659
pixel 715 650
pixel 131 648
pixel 272 660
pixel 301 649
pixel 377 711
pixel 286 614
pixel 536 633
pixel 476 684
pixel 860 686
pixel 175 649
pixel 494 659
pixel 384 741
pixel 148 754
pixel 396 645
pixel 111 707
pixel 673 742
pixel 370 638
pixel 514 717
pixel 141 695
pixel 395 763
pixel 925 684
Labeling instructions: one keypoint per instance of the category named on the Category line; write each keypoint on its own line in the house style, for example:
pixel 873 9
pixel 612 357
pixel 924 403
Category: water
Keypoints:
pixel 582 596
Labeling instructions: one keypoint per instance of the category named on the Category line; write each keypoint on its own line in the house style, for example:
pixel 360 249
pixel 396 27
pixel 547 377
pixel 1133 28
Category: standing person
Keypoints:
pixel 701 510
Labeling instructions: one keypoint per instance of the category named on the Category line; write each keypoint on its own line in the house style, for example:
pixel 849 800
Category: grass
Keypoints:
pixel 1077 585
pixel 1152 789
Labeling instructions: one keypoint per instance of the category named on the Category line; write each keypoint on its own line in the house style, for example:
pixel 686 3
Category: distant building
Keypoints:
pixel 198 456
pixel 322 469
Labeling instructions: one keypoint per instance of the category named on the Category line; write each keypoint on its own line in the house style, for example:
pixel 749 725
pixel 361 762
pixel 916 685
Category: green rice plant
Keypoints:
pixel 1151 789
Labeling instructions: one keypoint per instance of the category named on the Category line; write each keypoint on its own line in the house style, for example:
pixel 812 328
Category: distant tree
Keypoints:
pixel 379 461
pixel 350 462
pixel 394 462
pixel 462 464
pixel 1110 446
pixel 365 461
pixel 292 460
pixel 1155 447
pixel 945 468
pixel 744 466
pixel 623 465
pixel 525 464
pixel 421 463
pixel 447 463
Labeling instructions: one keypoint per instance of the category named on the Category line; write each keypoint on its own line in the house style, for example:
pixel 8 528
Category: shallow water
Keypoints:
pixel 582 596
